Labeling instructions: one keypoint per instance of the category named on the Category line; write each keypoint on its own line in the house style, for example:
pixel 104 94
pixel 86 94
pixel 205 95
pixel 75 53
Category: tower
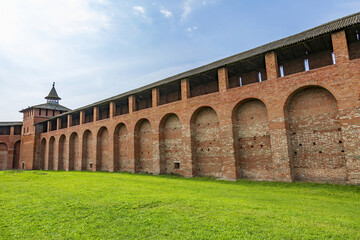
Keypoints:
pixel 53 97
pixel 31 116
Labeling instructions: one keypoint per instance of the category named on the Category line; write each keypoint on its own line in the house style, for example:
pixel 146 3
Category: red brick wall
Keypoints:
pixel 206 143
pixel 143 147
pixel 74 152
pixel 324 100
pixel 252 141
pixel 104 145
pixel 3 156
pixel 51 160
pixel 121 151
pixel 171 144
pixel 316 142
pixel 62 153
pixel 10 151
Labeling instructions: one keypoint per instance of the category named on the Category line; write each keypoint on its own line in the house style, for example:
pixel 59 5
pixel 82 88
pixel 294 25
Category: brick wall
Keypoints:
pixel 261 131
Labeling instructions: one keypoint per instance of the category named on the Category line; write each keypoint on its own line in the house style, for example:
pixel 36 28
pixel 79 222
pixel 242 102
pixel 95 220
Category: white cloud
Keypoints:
pixel 37 28
pixel 42 40
pixel 166 12
pixel 139 10
pixel 187 9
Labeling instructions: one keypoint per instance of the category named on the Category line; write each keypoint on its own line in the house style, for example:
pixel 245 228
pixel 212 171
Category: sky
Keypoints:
pixel 95 49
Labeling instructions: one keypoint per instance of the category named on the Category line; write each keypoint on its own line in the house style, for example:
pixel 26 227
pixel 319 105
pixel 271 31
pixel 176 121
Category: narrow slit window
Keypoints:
pixel 240 80
pixel 333 57
pixel 281 71
pixel 259 76
pixel 306 65
pixel 357 35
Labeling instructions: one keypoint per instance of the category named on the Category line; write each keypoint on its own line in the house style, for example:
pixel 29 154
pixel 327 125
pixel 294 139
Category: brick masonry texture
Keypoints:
pixel 304 126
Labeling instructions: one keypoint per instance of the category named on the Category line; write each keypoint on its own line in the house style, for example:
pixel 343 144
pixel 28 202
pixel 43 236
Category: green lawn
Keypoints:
pixel 93 205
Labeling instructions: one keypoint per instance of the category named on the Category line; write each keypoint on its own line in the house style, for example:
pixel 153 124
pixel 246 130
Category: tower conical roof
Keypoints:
pixel 53 94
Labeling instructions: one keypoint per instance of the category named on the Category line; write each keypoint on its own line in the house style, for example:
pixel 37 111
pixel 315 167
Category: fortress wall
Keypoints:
pixel 261 131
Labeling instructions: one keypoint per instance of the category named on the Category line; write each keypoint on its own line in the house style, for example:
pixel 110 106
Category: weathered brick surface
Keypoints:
pixel 10 151
pixel 171 145
pixel 206 143
pixel 301 127
pixel 252 141
pixel 316 142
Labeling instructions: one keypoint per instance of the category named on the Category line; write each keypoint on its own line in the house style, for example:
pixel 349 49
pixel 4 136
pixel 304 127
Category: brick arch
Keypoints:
pixel 87 151
pixel 61 152
pixel 51 157
pixel 42 154
pixel 121 151
pixel 206 143
pixel 315 136
pixel 103 147
pixel 292 90
pixel 143 147
pixel 171 149
pixel 3 156
pixel 74 151
pixel 252 140
pixel 16 155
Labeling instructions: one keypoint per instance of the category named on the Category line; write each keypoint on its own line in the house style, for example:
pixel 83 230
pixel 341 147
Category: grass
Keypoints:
pixel 96 205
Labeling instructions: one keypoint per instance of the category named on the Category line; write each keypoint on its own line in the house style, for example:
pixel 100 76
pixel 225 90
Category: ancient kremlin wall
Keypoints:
pixel 286 111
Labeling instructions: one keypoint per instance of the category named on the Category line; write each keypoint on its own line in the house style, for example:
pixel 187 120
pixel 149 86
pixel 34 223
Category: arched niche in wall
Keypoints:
pixel 87 151
pixel 143 147
pixel 74 151
pixel 121 151
pixel 104 158
pixel 51 159
pixel 171 148
pixel 16 156
pixel 3 156
pixel 252 140
pixel 62 153
pixel 206 143
pixel 315 136
pixel 42 154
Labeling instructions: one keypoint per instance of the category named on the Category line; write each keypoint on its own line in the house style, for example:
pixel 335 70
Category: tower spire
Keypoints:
pixel 53 97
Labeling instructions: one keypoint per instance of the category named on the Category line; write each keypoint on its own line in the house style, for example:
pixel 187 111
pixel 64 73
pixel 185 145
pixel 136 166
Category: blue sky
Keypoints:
pixel 95 49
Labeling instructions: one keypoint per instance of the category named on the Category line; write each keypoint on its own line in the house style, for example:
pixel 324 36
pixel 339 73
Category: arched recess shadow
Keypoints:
pixel 3 156
pixel 42 154
pixel 143 147
pixel 51 158
pixel 61 153
pixel 171 147
pixel 87 151
pixel 104 159
pixel 74 151
pixel 206 143
pixel 16 156
pixel 315 137
pixel 252 140
pixel 121 151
